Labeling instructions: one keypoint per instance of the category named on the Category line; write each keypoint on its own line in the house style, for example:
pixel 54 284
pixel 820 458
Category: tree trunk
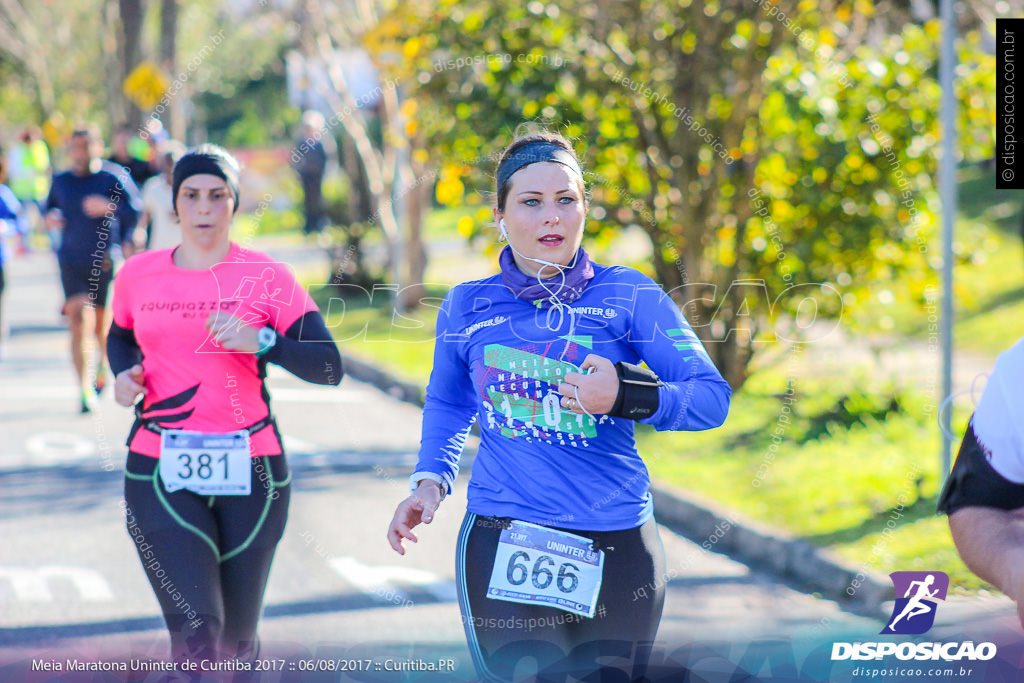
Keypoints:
pixel 46 99
pixel 359 202
pixel 112 64
pixel 417 200
pixel 340 98
pixel 174 118
pixel 132 13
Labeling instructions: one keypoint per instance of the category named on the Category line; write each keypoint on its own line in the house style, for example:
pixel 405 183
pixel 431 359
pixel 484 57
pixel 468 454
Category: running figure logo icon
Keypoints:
pixel 914 613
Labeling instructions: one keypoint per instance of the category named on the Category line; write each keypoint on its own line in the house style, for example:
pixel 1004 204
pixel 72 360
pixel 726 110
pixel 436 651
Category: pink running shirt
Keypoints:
pixel 192 382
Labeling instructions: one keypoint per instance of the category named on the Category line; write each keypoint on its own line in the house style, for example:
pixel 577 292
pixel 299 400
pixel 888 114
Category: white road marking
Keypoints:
pixel 32 584
pixel 293 445
pixel 19 392
pixel 316 454
pixel 302 395
pixel 380 581
pixel 54 447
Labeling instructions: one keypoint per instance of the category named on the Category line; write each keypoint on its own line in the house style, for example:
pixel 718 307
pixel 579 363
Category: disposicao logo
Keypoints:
pixel 914 613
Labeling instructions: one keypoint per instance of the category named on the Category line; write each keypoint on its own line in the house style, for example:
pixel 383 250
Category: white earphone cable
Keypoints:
pixel 556 304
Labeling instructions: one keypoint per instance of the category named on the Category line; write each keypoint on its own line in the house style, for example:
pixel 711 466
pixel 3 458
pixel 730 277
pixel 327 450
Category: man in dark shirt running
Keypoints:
pixel 95 209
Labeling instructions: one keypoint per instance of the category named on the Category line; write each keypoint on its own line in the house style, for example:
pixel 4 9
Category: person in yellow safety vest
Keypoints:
pixel 29 174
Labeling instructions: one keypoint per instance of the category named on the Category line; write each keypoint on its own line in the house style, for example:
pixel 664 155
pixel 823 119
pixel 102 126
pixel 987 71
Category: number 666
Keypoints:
pixel 517 572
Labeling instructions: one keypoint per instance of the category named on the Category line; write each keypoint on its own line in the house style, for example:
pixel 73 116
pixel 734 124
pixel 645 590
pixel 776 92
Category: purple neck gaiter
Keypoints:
pixel 563 288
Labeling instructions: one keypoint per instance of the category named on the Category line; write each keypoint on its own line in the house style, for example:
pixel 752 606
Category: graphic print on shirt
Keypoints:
pixel 260 299
pixel 522 399
pixel 269 298
pixel 185 309
pixel 176 401
pixel 686 340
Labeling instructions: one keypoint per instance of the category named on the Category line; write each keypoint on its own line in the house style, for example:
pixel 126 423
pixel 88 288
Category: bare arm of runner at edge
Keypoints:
pixel 230 332
pixel 991 543
pixel 597 385
pixel 418 507
pixel 984 491
pixel 129 384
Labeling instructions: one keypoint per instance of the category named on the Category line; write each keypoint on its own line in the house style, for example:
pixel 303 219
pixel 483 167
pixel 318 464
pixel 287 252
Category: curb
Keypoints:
pixel 391 385
pixel 712 527
pixel 813 569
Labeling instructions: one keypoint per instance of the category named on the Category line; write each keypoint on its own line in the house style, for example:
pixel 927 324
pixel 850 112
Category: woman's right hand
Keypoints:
pixel 419 507
pixel 129 384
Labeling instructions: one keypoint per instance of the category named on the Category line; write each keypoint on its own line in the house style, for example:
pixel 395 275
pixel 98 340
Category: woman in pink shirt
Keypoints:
pixel 206 482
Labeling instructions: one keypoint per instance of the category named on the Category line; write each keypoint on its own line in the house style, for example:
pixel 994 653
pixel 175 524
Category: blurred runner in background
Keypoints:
pixel 29 175
pixel 309 159
pixel 162 228
pixel 120 154
pixel 12 222
pixel 95 210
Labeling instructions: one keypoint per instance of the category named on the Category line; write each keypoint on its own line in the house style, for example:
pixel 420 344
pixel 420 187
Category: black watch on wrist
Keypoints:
pixel 638 392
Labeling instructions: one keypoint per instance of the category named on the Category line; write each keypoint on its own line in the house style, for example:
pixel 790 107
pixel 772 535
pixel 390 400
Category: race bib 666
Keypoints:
pixel 540 566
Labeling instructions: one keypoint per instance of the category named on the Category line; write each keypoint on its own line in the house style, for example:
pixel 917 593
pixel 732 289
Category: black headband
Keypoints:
pixel 207 159
pixel 531 153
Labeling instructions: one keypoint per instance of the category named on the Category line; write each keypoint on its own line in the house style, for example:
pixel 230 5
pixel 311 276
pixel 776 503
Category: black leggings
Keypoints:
pixel 208 557
pixel 621 632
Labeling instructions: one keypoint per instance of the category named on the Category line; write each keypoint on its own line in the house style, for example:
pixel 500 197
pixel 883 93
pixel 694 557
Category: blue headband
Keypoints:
pixel 531 153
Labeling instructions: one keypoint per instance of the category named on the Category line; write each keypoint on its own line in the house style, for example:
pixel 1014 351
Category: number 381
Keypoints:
pixel 204 468
pixel 517 572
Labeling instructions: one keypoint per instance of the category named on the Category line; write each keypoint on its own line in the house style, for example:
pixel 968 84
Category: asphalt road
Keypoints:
pixel 71 585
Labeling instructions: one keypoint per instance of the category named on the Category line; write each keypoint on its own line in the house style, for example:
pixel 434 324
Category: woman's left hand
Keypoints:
pixel 230 332
pixel 597 390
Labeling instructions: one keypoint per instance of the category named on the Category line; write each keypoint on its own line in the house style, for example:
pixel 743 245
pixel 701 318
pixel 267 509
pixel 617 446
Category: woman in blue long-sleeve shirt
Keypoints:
pixel 12 222
pixel 559 532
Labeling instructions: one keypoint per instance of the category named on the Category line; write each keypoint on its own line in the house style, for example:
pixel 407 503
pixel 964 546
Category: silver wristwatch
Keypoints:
pixel 416 478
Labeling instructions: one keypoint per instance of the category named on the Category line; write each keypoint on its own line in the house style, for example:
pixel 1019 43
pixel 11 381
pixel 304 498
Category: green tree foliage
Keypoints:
pixel 699 122
pixel 231 65
pixel 53 63
pixel 60 64
pixel 855 147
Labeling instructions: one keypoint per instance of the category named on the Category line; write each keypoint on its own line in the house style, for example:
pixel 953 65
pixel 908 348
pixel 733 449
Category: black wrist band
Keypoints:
pixel 638 392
